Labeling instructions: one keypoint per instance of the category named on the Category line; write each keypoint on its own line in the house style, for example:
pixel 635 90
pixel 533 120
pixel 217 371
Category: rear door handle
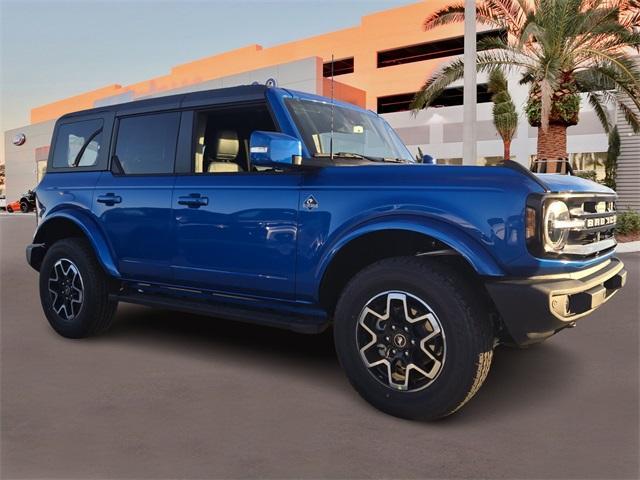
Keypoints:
pixel 109 199
pixel 193 200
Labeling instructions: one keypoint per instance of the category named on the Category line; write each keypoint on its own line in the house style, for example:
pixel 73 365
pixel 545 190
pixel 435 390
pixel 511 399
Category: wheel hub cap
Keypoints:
pixel 66 289
pixel 401 341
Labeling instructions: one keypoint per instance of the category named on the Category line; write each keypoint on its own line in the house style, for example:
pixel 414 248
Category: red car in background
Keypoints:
pixel 26 203
pixel 13 206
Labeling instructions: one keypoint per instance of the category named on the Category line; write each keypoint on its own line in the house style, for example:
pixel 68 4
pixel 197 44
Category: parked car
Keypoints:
pixel 13 206
pixel 27 201
pixel 286 209
pixel 24 204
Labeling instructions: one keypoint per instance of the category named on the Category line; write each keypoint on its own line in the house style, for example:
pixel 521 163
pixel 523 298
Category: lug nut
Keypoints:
pixel 406 329
pixel 387 338
pixel 413 342
pixel 393 327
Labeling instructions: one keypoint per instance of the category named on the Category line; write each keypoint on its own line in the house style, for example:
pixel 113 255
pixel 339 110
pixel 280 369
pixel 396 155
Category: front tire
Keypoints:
pixel 24 207
pixel 413 337
pixel 74 290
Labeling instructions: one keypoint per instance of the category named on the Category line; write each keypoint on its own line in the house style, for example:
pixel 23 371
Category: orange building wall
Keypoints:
pixel 379 31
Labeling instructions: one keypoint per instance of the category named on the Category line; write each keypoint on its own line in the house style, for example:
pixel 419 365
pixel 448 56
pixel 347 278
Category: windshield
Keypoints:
pixel 354 132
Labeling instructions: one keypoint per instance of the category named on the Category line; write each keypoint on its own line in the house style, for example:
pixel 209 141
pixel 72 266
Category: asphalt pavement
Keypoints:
pixel 171 395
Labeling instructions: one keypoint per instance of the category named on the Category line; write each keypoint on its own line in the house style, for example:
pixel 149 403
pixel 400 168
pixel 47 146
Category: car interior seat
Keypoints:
pixel 225 154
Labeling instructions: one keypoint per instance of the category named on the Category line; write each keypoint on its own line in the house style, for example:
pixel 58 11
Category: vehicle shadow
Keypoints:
pixel 519 378
pixel 189 332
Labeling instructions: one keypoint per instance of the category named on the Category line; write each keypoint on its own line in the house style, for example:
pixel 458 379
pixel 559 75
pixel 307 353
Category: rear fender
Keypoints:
pixel 89 228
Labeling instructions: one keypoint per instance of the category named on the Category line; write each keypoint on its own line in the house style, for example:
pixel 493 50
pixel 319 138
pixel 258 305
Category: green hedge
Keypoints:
pixel 628 222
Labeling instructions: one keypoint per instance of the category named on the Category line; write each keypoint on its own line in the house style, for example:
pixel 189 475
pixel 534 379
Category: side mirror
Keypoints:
pixel 428 160
pixel 268 149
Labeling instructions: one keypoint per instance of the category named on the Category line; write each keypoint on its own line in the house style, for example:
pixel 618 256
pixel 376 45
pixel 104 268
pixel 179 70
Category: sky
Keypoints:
pixel 52 49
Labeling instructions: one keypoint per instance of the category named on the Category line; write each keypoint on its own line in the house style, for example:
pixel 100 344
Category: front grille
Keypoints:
pixel 594 220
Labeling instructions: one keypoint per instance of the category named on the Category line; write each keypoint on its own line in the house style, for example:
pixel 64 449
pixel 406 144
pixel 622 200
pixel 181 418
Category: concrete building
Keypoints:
pixel 378 64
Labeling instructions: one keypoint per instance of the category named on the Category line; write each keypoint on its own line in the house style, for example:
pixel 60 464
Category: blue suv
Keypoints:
pixel 287 209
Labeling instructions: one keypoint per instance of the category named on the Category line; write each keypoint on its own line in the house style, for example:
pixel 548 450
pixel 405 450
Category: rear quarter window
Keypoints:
pixel 78 144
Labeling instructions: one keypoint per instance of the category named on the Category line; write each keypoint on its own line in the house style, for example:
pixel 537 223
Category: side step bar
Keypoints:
pixel 295 322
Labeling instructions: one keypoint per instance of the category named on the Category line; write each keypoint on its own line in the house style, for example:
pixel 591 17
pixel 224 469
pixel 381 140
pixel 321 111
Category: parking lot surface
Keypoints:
pixel 171 395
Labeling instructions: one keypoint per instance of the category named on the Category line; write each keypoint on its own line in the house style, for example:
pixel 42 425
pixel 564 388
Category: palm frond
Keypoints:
pixel 630 117
pixel 595 100
pixel 454 71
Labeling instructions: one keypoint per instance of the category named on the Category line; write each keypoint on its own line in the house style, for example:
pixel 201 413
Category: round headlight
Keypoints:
pixel 555 238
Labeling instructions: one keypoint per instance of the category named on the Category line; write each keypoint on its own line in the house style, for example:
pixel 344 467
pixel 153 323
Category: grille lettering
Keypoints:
pixel 601 222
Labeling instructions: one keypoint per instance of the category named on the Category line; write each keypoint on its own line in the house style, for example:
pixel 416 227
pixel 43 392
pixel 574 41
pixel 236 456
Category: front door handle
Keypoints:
pixel 109 199
pixel 194 200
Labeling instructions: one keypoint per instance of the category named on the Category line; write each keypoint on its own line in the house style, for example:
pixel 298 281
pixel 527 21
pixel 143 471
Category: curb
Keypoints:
pixel 628 247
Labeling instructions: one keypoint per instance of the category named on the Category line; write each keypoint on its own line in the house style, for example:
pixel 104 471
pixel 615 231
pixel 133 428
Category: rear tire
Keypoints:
pixel 24 207
pixel 74 290
pixel 437 337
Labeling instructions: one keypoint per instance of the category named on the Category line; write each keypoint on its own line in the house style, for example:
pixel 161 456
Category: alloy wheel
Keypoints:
pixel 66 289
pixel 401 341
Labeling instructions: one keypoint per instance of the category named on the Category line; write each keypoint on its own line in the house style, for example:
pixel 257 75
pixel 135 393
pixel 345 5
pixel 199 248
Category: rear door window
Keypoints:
pixel 146 144
pixel 78 144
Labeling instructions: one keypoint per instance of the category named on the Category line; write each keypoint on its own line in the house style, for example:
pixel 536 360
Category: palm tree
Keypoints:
pixel 560 48
pixel 505 117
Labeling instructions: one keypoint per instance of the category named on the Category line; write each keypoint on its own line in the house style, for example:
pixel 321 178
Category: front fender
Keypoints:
pixel 475 253
pixel 89 228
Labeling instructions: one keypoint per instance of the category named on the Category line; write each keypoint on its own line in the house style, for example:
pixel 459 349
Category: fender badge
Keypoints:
pixel 310 203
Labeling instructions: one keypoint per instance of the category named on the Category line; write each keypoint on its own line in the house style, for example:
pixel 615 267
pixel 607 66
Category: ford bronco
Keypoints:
pixel 288 209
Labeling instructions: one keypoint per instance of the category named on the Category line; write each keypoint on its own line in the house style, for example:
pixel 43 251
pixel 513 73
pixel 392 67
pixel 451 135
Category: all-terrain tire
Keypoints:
pixel 95 313
pixel 463 317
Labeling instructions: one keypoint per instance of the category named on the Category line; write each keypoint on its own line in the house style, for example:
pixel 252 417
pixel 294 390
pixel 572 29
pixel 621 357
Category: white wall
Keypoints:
pixel 20 169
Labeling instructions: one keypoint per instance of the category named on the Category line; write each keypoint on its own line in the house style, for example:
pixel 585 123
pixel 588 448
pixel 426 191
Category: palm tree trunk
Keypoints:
pixel 552 145
pixel 507 149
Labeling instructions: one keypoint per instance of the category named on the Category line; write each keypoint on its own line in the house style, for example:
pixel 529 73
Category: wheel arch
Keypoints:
pixel 71 223
pixel 373 242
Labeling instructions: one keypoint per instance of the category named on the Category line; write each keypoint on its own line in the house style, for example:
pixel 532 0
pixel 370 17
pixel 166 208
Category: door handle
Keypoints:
pixel 194 200
pixel 109 199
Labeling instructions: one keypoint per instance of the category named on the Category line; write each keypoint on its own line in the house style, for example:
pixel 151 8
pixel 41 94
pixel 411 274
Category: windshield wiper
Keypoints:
pixel 348 155
pixel 358 156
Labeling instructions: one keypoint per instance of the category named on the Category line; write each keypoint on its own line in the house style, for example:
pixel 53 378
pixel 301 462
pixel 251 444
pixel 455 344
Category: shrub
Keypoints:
pixel 628 222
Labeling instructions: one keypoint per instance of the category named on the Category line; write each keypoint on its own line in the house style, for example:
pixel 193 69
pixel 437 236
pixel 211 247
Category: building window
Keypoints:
pixel 449 98
pixel 429 50
pixel 340 67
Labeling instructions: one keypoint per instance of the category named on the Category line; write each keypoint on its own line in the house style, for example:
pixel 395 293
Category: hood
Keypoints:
pixel 569 183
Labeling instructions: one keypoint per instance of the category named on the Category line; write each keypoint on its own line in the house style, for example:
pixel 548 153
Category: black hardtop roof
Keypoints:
pixel 191 99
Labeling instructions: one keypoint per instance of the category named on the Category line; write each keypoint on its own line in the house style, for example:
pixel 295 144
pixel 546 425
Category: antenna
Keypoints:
pixel 331 138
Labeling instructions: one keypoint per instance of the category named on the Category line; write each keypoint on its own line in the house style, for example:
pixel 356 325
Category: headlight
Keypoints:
pixel 555 231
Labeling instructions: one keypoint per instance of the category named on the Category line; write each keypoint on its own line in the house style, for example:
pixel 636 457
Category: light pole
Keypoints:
pixel 469 132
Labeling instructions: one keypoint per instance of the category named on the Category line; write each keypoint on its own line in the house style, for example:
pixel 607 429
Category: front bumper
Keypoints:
pixel 535 308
